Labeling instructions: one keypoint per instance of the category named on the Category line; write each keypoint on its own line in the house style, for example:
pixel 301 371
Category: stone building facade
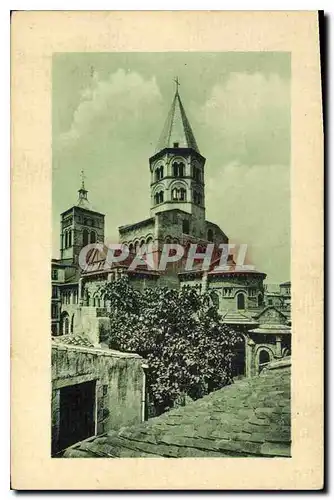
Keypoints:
pixel 177 215
pixel 94 390
pixel 279 296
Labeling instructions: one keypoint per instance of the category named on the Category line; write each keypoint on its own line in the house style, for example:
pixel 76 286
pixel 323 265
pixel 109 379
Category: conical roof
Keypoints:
pixel 82 201
pixel 177 129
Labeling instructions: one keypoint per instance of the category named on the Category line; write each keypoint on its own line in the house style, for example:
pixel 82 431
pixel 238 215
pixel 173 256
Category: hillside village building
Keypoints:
pixel 177 215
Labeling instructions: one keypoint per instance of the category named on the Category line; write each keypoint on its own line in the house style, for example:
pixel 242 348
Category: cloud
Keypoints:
pixel 252 205
pixel 249 118
pixel 120 100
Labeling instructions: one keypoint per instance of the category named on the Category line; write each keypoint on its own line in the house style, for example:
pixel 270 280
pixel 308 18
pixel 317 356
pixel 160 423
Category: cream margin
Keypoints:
pixel 35 37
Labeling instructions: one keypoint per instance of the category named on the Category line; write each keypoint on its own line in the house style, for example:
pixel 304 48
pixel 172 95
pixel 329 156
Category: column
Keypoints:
pixel 80 288
pixel 278 346
pixel 249 351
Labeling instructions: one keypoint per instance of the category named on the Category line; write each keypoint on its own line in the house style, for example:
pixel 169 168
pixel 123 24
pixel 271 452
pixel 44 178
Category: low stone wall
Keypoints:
pixel 119 379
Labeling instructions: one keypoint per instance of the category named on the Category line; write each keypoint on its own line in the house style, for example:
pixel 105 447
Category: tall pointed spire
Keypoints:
pixel 177 131
pixel 83 200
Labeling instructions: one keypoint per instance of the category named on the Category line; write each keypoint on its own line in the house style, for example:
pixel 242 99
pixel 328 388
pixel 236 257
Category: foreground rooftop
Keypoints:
pixel 248 418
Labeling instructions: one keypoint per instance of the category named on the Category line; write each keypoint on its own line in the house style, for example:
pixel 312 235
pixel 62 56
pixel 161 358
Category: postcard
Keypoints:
pixel 167 251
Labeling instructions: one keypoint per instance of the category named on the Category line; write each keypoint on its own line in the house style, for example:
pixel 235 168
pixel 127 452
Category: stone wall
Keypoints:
pixel 120 385
pixel 135 233
pixel 228 287
pixel 169 225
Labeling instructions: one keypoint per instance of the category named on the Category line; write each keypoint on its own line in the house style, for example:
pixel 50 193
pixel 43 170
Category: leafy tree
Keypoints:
pixel 180 334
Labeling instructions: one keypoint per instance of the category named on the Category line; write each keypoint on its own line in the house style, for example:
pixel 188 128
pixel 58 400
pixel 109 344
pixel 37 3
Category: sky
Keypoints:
pixel 108 110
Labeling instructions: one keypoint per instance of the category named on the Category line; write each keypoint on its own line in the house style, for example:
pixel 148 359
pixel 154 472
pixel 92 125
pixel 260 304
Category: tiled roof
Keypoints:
pixel 248 418
pixel 237 318
pixel 273 329
pixel 78 340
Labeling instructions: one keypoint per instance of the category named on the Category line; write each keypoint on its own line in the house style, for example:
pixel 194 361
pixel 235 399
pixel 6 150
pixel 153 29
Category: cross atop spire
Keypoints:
pixel 83 200
pixel 176 80
pixel 83 177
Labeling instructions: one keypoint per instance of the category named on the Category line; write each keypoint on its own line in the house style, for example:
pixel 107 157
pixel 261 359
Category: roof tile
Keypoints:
pixel 237 420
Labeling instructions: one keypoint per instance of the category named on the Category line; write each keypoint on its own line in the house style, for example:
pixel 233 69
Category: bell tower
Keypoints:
pixel 80 225
pixel 177 167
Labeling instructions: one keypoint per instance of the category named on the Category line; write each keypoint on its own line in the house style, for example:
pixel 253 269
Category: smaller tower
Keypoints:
pixel 80 225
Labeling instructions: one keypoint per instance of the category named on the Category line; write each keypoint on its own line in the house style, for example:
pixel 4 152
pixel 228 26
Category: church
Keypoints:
pixel 177 215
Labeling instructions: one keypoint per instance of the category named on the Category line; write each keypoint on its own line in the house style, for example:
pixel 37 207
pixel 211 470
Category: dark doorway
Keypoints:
pixel 240 301
pixel 76 419
pixel 239 360
pixel 264 359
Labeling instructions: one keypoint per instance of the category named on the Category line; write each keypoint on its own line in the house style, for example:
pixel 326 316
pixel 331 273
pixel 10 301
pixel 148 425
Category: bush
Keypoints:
pixel 180 334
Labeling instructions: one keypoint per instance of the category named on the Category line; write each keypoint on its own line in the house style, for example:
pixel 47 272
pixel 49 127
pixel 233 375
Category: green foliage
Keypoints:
pixel 178 332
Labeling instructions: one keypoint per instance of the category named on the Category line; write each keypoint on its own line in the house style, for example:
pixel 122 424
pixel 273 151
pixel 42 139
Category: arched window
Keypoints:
pixel 240 301
pixel 179 194
pixel 66 239
pixel 185 226
pixel 264 359
pixel 159 197
pixel 196 173
pixel 142 243
pixel 72 323
pixel 183 194
pixel 65 324
pixel 178 169
pixel 149 240
pixel 215 299
pixel 85 236
pixel 131 248
pixel 70 238
pixel 93 237
pixel 159 173
pixel 210 235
